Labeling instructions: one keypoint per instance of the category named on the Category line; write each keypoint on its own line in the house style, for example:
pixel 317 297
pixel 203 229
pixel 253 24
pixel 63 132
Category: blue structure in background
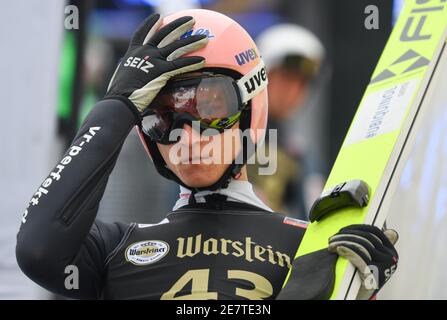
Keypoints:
pixel 397 7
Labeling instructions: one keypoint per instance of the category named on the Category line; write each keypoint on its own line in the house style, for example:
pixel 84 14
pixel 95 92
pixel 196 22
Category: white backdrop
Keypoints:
pixel 419 206
pixel 30 34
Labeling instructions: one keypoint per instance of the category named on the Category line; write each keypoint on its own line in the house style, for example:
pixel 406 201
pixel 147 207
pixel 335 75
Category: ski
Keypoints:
pixel 382 132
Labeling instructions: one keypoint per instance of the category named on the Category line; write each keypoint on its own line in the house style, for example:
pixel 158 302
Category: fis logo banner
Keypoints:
pixel 407 62
pixel 414 40
pixel 246 56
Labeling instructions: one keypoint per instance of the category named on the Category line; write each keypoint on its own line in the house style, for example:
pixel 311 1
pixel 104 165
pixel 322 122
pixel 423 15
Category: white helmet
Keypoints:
pixel 283 40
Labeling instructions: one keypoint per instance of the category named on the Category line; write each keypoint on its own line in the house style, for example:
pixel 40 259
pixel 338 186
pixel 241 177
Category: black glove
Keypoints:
pixel 153 57
pixel 371 251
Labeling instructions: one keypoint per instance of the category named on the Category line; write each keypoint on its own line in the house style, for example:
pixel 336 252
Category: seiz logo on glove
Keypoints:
pixel 371 276
pixel 390 271
pixel 371 251
pixel 139 63
pixel 153 57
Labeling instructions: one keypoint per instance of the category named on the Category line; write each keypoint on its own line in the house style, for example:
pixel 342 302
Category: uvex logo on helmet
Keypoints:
pixel 256 81
pixel 198 32
pixel 139 63
pixel 246 56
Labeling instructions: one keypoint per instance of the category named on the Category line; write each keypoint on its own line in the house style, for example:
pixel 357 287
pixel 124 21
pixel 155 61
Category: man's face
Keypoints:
pixel 206 157
pixel 287 92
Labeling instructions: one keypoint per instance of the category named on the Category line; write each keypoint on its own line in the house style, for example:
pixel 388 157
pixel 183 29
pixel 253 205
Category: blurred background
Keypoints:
pixel 51 77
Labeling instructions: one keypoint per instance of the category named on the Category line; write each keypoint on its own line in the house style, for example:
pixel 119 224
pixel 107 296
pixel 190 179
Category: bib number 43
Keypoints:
pixel 199 279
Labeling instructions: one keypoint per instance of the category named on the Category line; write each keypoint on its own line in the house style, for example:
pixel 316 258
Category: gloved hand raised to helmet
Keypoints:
pixel 153 57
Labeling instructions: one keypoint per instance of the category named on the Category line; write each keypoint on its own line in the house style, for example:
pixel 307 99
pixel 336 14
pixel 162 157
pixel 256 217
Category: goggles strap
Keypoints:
pixel 253 82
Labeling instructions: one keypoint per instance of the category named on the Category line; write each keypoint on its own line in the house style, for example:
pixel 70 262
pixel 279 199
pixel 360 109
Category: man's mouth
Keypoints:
pixel 194 159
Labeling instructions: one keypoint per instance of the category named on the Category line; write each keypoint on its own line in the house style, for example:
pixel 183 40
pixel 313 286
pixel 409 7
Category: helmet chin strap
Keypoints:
pixel 223 183
pixel 234 172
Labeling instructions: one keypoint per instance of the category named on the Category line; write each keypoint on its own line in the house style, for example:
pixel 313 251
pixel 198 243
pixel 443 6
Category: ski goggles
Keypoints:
pixel 215 101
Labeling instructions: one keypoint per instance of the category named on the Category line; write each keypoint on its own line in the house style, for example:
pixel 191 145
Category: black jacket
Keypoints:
pixel 202 251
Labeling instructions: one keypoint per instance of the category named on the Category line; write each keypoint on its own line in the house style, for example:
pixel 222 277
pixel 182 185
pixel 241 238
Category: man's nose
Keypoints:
pixel 189 135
